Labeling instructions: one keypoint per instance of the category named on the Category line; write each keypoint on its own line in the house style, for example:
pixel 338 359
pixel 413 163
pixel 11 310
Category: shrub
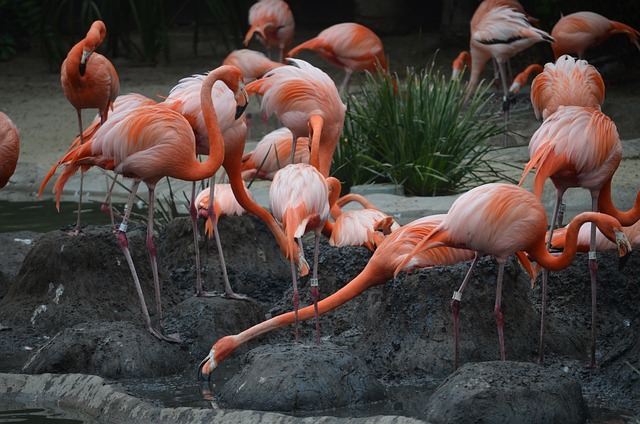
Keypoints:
pixel 421 135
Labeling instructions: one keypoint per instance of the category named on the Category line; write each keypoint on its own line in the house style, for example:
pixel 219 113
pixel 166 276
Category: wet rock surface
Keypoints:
pixel 401 331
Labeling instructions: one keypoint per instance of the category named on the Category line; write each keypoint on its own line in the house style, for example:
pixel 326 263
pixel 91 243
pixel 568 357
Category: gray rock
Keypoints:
pixel 295 377
pixel 507 392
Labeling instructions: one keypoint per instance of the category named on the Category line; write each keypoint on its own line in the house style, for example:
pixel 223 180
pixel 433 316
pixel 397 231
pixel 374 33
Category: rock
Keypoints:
pixel 251 254
pixel 108 349
pixel 299 377
pixel 507 392
pixel 67 280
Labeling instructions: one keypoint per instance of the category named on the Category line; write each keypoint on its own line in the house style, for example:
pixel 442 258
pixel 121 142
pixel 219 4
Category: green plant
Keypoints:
pixel 18 23
pixel 421 135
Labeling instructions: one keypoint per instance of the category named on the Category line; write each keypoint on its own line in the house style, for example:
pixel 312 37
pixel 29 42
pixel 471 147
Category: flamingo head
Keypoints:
pixel 624 247
pixel 220 351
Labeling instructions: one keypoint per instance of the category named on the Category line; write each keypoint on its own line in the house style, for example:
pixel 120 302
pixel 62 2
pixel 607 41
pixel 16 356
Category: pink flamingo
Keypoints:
pixel 462 61
pixel 306 101
pixel 500 33
pixel 578 32
pixel 379 269
pixel 273 152
pixel 501 220
pixel 148 144
pixel 253 64
pixel 521 79
pixel 273 24
pixel 574 147
pixel 9 148
pixel 363 227
pixel 350 46
pixel 300 198
pixel 124 102
pixel 89 80
pixel 234 135
pixel 558 239
pixel 567 82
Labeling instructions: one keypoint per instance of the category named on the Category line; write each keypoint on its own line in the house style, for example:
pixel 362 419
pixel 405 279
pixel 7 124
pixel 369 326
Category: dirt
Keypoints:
pixel 401 330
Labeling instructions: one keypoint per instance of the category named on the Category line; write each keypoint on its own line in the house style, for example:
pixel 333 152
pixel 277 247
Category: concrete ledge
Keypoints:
pixel 92 397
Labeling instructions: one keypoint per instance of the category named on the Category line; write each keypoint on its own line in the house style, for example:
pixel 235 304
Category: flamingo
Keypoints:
pixel 253 64
pixel 350 46
pixel 363 227
pixel 89 80
pixel 148 144
pixel 273 24
pixel 575 147
pixel 567 82
pixel 605 205
pixel 500 33
pixel 580 31
pixel 124 102
pixel 521 79
pixel 500 220
pixel 462 61
pixel 9 148
pixel 273 152
pixel 301 198
pixel 558 239
pixel 306 101
pixel 184 95
pixel 379 269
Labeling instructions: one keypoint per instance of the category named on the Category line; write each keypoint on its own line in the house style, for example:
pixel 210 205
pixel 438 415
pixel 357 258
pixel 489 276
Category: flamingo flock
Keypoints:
pixel 576 146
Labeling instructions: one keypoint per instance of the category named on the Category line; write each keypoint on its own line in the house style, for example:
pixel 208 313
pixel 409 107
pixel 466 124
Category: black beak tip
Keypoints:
pixel 240 110
pixel 83 68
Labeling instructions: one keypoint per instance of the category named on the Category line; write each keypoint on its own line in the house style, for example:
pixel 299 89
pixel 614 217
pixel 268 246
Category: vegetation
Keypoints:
pixel 421 135
pixel 137 29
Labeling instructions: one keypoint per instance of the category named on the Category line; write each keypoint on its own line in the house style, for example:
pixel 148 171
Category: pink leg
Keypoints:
pixel 593 271
pixel 497 311
pixel 295 299
pixel 196 246
pixel 455 309
pixel 314 284
pixel 78 229
pixel 107 207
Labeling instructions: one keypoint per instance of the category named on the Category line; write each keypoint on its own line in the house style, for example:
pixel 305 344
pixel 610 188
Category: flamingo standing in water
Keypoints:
pixel 301 198
pixel 567 82
pixel 148 144
pixel 89 80
pixel 574 147
pixel 501 220
pixel 9 148
pixel 306 101
pixel 379 269
pixel 579 31
pixel 273 24
pixel 350 46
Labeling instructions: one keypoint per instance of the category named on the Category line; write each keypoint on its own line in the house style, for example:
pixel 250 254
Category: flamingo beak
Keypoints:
pixel 624 248
pixel 206 366
pixel 83 61
pixel 242 105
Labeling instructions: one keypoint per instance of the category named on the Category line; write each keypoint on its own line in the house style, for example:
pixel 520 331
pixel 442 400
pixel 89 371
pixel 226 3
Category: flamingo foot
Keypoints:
pixel 172 338
pixel 236 296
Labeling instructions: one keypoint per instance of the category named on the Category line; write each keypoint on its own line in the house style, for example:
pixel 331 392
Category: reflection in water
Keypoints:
pixel 21 413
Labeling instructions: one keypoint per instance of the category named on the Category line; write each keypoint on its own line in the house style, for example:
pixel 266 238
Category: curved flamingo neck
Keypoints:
pixel 541 255
pixel 369 277
pixel 605 205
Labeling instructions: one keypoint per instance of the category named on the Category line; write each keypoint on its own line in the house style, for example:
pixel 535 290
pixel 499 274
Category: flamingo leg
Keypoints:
pixel 107 206
pixel 545 276
pixel 497 310
pixel 151 249
pixel 214 220
pixel 193 213
pixel 455 308
pixel 314 284
pixel 345 83
pixel 506 102
pixel 78 229
pixel 295 299
pixel 593 270
pixel 293 148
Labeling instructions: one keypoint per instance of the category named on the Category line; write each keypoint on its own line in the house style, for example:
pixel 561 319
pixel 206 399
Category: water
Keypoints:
pixel 42 216
pixel 29 414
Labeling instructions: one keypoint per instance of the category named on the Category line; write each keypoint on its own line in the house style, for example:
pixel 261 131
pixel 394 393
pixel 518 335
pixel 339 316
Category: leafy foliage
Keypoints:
pixel 422 135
